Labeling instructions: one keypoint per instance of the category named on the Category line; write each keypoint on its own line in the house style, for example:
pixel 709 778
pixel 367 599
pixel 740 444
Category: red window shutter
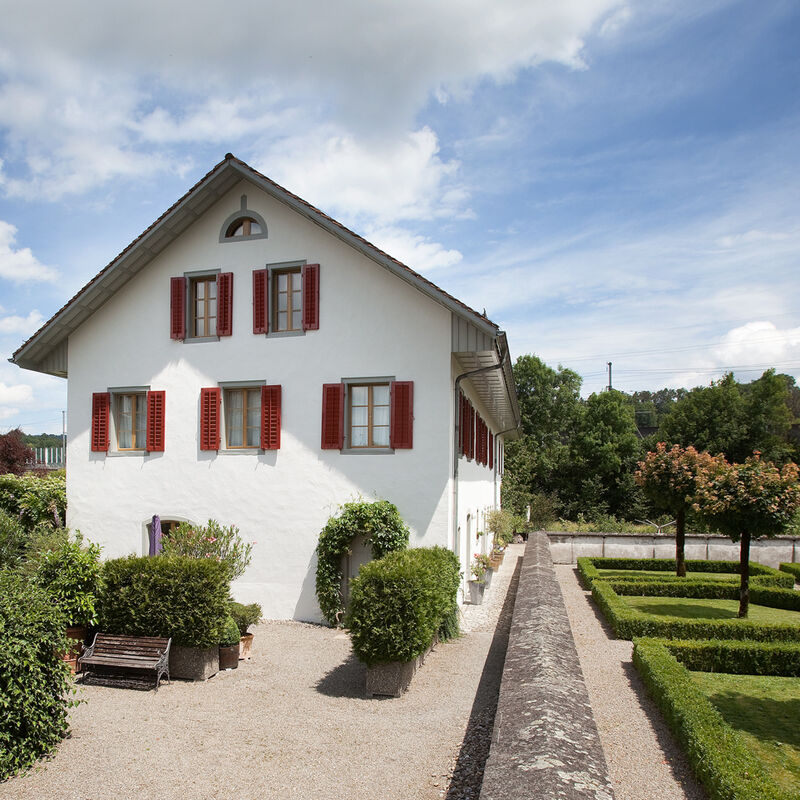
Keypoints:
pixel 270 417
pixel 491 451
pixel 156 402
pixel 462 424
pixel 311 297
pixel 101 402
pixel 225 304
pixel 177 308
pixel 332 416
pixel 209 418
pixel 471 432
pixel 484 443
pixel 260 294
pixel 401 429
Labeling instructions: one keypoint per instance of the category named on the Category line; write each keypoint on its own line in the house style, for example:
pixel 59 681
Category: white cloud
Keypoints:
pixel 24 326
pixel 16 394
pixel 19 264
pixel 418 252
pixel 759 343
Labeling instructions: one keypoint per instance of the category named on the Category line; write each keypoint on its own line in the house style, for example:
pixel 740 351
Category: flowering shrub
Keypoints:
pixel 212 541
pixel 479 566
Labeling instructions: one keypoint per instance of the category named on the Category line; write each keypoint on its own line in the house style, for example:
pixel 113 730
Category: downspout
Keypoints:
pixel 457 431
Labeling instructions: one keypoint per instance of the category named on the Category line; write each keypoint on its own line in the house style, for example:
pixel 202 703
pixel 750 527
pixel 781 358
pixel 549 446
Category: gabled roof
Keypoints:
pixel 45 351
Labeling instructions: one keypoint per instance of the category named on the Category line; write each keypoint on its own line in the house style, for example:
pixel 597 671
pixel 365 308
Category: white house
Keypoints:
pixel 251 360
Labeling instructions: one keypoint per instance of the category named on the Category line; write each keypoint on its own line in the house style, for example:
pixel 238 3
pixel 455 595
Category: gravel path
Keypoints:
pixel 643 759
pixel 292 723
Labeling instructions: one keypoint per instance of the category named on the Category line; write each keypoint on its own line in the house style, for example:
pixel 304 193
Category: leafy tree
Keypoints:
pixel 669 479
pixel 751 499
pixel 768 416
pixel 605 449
pixel 15 456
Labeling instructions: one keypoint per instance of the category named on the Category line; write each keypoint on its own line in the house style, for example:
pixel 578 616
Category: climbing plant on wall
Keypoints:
pixel 385 531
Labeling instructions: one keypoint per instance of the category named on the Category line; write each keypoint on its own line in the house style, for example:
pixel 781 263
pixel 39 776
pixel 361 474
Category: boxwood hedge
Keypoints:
pixel 34 681
pixel 718 754
pixel 792 569
pixel 178 596
pixel 399 603
pixel 663 570
pixel 737 657
pixel 628 622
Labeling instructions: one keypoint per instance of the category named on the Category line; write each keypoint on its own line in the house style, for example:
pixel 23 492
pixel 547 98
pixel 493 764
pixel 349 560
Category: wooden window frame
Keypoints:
pixel 246 391
pixel 371 445
pixel 293 273
pixel 246 224
pixel 138 406
pixel 194 281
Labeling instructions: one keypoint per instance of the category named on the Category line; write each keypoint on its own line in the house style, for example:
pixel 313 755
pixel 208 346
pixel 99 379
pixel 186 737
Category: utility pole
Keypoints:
pixel 609 375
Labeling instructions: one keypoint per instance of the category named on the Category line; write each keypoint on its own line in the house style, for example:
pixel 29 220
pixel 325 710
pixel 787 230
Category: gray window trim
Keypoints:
pixel 366 451
pixel 243 211
pixel 281 266
pixel 236 451
pixel 201 273
pixel 113 450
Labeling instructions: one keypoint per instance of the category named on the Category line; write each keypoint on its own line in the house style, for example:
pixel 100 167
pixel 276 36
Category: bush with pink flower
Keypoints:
pixel 222 543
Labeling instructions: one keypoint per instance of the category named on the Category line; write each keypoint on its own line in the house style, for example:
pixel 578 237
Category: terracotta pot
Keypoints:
pixel 229 657
pixel 245 646
pixel 77 636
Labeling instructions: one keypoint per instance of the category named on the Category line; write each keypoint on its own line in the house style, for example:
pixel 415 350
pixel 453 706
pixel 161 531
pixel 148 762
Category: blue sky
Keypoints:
pixel 612 180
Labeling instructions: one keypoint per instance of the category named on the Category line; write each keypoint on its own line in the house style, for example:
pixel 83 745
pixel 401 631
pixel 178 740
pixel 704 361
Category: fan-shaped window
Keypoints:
pixel 243 224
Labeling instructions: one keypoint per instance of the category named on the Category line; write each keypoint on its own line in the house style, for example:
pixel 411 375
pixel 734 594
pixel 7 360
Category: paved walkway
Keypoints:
pixel 644 760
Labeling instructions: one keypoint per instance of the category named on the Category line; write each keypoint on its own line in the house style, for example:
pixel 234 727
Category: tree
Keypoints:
pixel 669 478
pixel 605 449
pixel 15 456
pixel 751 499
pixel 768 416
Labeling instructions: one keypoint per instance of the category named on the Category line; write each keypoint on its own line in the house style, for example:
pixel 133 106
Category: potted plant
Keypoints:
pixel 477 585
pixel 488 567
pixel 70 574
pixel 229 645
pixel 245 616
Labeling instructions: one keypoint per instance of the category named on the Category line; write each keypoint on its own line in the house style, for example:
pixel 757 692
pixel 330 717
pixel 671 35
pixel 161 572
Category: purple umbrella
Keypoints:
pixel 155 536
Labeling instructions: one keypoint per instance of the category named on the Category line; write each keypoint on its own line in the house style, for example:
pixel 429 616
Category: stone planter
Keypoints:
pixel 229 657
pixel 245 646
pixel 476 590
pixel 392 678
pixel 487 577
pixel 193 663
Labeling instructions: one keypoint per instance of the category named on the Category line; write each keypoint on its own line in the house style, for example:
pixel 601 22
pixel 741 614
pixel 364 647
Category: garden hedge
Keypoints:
pixel 628 622
pixel 178 596
pixel 663 570
pixel 792 569
pixel 737 657
pixel 718 754
pixel 399 603
pixel 385 531
pixel 34 681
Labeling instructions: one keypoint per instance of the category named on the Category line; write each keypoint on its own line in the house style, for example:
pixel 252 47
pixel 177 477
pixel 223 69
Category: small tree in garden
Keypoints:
pixel 15 456
pixel 669 479
pixel 220 542
pixel 748 500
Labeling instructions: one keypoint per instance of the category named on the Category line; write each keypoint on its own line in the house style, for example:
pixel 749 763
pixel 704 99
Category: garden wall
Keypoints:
pixel 545 741
pixel 568 547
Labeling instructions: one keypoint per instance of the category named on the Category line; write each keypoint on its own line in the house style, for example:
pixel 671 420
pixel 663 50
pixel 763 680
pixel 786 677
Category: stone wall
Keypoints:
pixel 568 547
pixel 545 741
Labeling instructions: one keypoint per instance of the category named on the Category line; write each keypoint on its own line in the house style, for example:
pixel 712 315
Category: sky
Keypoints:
pixel 611 180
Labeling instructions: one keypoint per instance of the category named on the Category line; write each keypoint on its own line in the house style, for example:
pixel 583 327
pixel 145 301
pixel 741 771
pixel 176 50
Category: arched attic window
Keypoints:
pixel 244 224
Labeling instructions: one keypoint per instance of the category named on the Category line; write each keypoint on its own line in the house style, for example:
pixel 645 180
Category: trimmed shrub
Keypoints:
pixel 718 754
pixel 230 633
pixel 34 681
pixel 244 615
pixel 628 622
pixel 740 657
pixel 791 569
pixel 178 596
pixel 385 531
pixel 400 602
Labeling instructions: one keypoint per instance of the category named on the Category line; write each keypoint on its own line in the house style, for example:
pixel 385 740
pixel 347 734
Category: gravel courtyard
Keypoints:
pixel 292 723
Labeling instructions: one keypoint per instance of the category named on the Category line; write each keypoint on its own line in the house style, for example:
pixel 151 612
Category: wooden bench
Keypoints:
pixel 125 660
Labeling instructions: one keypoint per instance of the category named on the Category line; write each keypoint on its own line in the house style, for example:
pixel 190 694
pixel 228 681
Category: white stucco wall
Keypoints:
pixel 371 324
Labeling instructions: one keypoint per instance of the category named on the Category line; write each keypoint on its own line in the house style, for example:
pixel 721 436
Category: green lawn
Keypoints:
pixel 651 573
pixel 700 608
pixel 766 711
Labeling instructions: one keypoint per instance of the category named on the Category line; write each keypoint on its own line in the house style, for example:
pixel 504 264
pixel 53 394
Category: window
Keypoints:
pixel 130 419
pixel 203 306
pixel 287 300
pixel 368 406
pixel 243 226
pixel 242 418
pixel 363 415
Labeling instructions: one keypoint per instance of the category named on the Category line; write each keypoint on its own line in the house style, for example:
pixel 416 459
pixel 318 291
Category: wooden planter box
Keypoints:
pixel 193 663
